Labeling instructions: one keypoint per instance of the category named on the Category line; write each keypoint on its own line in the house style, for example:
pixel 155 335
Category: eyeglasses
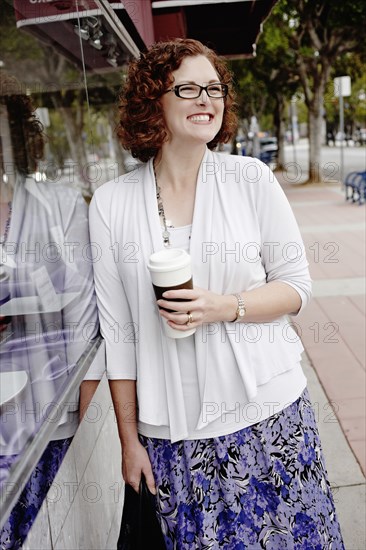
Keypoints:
pixel 192 91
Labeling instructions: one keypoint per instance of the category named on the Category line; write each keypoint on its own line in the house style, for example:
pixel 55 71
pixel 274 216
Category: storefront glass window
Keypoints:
pixel 51 161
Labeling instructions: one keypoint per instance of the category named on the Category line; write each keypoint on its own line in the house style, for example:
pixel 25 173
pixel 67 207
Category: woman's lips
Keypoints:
pixel 206 117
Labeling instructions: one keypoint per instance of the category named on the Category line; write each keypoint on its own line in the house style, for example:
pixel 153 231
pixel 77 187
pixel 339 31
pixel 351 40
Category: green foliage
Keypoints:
pixel 328 17
pixel 13 43
pixel 268 78
pixel 354 105
pixel 313 33
pixel 253 97
pixel 57 139
pixel 322 30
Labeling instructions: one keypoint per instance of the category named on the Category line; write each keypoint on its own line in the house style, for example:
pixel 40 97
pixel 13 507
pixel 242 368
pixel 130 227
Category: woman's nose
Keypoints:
pixel 203 97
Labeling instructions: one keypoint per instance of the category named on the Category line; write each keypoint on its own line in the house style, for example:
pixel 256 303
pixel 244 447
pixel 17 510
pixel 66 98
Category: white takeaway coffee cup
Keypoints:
pixel 171 269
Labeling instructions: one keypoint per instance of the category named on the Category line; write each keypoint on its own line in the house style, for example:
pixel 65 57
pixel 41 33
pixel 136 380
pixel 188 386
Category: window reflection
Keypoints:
pixel 47 311
pixel 47 307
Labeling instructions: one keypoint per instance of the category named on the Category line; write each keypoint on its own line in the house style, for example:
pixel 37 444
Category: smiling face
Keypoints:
pixel 193 121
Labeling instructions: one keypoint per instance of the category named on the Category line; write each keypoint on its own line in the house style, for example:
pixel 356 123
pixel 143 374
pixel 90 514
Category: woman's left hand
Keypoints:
pixel 199 306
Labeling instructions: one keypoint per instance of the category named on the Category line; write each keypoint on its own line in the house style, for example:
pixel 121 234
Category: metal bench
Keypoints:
pixel 355 187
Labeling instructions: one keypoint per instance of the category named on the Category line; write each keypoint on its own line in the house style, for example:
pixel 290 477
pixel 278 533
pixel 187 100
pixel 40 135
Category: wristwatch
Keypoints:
pixel 241 311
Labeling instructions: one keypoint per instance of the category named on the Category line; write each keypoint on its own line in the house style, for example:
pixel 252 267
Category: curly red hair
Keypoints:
pixel 141 128
pixel 26 131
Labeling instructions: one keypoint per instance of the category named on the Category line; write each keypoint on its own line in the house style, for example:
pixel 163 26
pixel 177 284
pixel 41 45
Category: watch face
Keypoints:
pixel 241 312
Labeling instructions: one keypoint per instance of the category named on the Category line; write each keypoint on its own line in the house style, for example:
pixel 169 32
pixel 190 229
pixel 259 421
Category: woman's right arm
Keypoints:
pixel 114 316
pixel 135 460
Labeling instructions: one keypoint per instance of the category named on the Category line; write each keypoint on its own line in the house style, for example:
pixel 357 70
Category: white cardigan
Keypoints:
pixel 244 234
pixel 48 231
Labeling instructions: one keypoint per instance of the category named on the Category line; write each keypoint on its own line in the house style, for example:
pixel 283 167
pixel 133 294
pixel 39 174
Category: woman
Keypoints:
pixel 224 433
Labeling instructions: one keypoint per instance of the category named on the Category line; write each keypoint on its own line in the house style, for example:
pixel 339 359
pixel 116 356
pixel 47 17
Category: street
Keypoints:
pixel 297 159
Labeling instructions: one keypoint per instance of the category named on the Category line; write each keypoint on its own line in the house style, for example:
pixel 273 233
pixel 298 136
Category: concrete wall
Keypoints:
pixel 84 505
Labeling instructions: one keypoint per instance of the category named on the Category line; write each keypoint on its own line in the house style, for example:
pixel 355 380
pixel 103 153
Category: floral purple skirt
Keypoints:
pixel 262 487
pixel 24 513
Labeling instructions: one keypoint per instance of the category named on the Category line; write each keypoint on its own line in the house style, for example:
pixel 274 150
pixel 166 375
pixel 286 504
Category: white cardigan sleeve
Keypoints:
pixel 283 250
pixel 115 317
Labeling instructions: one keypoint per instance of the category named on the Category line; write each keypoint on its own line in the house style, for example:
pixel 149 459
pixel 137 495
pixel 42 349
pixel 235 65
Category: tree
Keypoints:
pixel 321 31
pixel 267 82
pixel 304 43
pixel 275 66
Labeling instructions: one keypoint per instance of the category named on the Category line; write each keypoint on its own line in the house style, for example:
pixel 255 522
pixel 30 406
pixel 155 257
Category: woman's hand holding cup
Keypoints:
pixel 198 306
pixel 175 306
pixel 171 271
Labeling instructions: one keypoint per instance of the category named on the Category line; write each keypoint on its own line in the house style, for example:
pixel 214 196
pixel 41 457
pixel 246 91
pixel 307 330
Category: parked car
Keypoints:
pixel 241 145
pixel 360 136
pixel 268 148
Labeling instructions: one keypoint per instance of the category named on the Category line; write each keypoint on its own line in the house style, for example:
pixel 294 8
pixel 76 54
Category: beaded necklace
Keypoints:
pixel 4 237
pixel 166 233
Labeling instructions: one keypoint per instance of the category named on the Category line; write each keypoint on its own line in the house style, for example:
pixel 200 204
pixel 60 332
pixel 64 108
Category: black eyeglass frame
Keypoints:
pixel 176 90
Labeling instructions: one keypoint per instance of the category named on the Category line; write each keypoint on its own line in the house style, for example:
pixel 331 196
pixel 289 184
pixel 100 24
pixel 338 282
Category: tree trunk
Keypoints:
pixel 280 131
pixel 71 107
pixel 314 99
pixel 77 148
pixel 315 119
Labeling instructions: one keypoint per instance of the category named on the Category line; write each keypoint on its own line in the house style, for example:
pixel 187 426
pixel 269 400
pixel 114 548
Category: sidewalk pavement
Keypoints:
pixel 332 330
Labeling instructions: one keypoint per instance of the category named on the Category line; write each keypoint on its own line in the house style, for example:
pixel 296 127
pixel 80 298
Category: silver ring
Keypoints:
pixel 190 318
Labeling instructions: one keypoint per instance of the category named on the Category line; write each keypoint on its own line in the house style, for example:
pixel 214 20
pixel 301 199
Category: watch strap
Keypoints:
pixel 241 310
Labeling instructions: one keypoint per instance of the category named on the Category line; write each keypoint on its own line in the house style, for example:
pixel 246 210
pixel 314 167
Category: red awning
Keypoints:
pixel 112 32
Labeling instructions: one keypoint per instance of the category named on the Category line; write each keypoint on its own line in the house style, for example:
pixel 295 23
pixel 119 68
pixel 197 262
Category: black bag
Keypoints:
pixel 140 528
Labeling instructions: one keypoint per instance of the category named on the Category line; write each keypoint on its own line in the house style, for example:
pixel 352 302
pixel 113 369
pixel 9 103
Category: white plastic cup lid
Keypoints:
pixel 168 260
